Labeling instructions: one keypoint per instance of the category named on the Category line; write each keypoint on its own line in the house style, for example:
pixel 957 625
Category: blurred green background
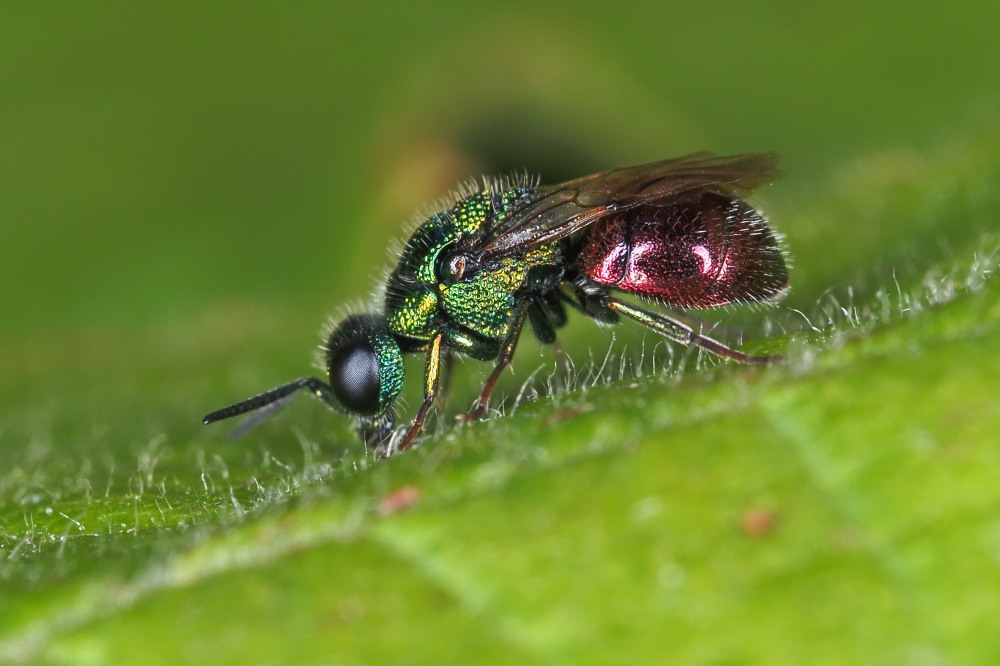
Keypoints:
pixel 162 162
pixel 188 190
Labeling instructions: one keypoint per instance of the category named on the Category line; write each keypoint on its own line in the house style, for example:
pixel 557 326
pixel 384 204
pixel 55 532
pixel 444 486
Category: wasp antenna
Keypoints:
pixel 275 395
pixel 258 417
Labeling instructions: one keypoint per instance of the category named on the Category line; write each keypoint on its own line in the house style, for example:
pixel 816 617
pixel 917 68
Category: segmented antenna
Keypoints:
pixel 279 395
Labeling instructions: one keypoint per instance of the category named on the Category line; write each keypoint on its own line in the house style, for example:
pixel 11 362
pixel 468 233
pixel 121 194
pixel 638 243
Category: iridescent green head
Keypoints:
pixel 365 365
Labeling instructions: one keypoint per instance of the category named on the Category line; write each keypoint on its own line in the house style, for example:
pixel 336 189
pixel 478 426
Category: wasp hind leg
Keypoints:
pixel 682 333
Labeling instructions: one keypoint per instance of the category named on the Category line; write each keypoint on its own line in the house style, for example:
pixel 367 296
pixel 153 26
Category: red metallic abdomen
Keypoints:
pixel 707 251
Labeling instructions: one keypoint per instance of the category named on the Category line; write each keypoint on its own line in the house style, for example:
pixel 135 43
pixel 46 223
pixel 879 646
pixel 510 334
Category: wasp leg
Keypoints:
pixel 506 354
pixel 543 328
pixel 432 383
pixel 682 333
pixel 446 374
pixel 546 314
pixel 553 305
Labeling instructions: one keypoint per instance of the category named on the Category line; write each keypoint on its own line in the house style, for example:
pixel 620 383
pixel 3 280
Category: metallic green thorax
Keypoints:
pixel 419 302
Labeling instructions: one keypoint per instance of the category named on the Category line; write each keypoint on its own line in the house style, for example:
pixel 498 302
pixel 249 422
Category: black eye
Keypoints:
pixel 354 376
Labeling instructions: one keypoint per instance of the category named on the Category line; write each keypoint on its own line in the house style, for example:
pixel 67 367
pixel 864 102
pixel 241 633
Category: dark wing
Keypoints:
pixel 562 210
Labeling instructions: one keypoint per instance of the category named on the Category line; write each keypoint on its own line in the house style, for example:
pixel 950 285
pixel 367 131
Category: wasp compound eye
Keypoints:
pixel 365 365
pixel 354 376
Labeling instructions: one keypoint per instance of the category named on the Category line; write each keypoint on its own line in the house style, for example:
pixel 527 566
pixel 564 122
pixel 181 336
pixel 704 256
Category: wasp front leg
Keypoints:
pixel 432 385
